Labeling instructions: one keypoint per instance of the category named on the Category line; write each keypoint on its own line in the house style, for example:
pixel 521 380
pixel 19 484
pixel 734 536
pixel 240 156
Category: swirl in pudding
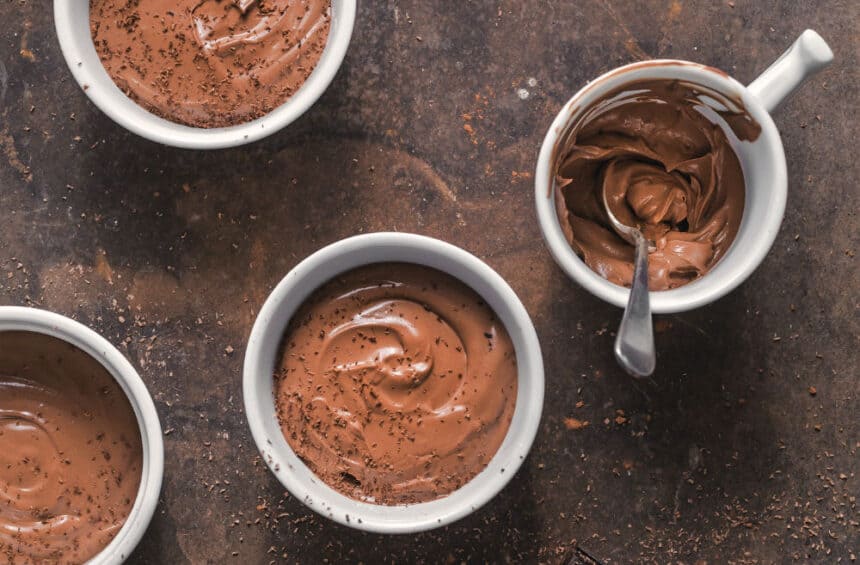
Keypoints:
pixel 666 168
pixel 210 63
pixel 70 452
pixel 397 383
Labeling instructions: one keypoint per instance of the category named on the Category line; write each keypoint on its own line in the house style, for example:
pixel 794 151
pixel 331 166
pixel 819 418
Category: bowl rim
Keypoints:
pixel 270 324
pixel 77 47
pixel 701 291
pixel 17 318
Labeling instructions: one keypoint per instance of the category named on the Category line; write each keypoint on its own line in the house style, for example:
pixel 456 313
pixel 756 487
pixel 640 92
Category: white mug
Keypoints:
pixel 762 160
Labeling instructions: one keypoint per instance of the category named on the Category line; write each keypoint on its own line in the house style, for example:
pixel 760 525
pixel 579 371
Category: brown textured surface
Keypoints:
pixel 727 455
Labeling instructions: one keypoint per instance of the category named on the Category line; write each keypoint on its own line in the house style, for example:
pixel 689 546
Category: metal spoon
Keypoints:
pixel 634 344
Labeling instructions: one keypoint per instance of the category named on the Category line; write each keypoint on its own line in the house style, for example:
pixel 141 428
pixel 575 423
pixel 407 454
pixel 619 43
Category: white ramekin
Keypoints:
pixel 261 358
pixel 763 162
pixel 72 20
pixel 13 318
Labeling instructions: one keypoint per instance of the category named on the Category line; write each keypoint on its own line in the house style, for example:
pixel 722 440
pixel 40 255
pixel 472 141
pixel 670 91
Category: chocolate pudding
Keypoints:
pixel 70 452
pixel 397 383
pixel 667 169
pixel 210 63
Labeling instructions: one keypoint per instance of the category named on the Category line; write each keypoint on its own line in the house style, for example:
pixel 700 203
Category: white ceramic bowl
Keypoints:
pixel 763 163
pixel 72 20
pixel 262 355
pixel 14 318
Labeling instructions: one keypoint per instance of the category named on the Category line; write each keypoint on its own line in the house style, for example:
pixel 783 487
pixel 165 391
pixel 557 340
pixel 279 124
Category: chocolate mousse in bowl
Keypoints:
pixel 210 63
pixel 396 384
pixel 204 73
pixel 80 461
pixel 393 382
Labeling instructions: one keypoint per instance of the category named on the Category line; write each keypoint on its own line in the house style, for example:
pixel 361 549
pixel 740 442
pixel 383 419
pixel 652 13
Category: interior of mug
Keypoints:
pixel 762 161
pixel 72 20
pixel 261 359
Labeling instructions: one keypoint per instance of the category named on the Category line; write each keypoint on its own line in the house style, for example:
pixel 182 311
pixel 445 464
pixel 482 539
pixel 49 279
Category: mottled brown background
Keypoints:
pixel 726 455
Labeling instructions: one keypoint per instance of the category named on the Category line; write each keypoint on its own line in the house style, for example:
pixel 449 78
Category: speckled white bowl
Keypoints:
pixel 261 358
pixel 13 318
pixel 72 20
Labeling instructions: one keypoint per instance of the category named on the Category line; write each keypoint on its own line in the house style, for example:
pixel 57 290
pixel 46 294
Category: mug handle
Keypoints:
pixel 806 56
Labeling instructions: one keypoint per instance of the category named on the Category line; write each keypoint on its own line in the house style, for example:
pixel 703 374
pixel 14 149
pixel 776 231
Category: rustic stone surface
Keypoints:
pixel 169 254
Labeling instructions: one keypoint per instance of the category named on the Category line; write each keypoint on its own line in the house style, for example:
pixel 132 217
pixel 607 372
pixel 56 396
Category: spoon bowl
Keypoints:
pixel 634 344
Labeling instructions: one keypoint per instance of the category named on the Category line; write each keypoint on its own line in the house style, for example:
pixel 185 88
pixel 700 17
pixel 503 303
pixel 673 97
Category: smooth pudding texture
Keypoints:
pixel 210 63
pixel 666 168
pixel 70 452
pixel 397 383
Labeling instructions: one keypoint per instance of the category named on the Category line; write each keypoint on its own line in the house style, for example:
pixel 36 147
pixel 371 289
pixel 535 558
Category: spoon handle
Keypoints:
pixel 634 345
